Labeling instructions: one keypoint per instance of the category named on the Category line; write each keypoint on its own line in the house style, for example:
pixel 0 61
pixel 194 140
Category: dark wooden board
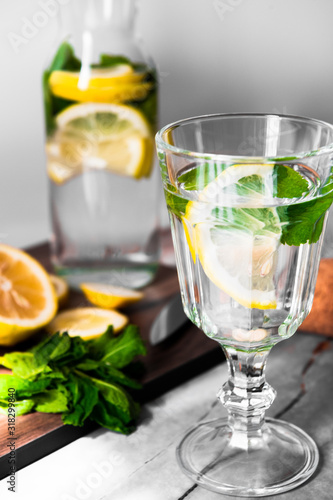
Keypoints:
pixel 186 354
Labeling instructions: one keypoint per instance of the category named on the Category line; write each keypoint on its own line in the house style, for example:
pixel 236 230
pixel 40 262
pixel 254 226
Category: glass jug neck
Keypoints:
pixel 81 15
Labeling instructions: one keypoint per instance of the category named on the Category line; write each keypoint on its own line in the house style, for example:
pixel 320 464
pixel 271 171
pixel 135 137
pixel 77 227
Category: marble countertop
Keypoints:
pixel 108 466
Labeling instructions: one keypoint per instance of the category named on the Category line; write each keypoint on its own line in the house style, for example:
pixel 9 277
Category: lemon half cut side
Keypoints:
pixel 27 297
pixel 237 248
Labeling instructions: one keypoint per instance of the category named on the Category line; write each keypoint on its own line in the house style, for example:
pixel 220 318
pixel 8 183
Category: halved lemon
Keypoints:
pixel 61 289
pixel 87 322
pixel 109 296
pixel 236 244
pixel 27 297
pixel 101 136
pixel 119 83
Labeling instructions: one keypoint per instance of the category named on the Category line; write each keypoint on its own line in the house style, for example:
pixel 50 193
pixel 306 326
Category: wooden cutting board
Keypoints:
pixel 186 354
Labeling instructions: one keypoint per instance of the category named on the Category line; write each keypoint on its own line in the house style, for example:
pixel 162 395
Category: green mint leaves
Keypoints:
pixel 80 379
pixel 288 183
pixel 299 223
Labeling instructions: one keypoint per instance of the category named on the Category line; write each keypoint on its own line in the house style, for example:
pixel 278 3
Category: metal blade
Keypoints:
pixel 169 320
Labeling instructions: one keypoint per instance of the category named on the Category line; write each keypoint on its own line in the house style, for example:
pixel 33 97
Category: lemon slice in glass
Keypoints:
pixel 87 322
pixel 237 246
pixel 111 137
pixel 119 83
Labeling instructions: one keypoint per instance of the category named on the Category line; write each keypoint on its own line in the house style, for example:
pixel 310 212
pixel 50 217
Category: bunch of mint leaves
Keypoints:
pixel 81 379
pixel 300 222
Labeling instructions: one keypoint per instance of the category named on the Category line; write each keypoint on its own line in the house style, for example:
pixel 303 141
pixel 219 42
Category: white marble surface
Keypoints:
pixel 109 466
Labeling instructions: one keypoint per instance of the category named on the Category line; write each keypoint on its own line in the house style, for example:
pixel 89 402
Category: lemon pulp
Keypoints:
pixel 27 297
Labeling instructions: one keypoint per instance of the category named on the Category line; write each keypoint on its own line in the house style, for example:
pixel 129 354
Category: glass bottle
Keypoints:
pixel 100 100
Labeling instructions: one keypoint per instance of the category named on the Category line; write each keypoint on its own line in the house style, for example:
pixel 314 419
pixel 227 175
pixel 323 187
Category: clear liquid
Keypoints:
pixel 105 228
pixel 285 274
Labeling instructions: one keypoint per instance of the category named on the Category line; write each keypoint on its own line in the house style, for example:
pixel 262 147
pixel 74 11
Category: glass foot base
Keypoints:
pixel 275 460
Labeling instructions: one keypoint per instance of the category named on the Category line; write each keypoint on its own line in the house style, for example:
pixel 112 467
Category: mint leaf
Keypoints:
pixel 198 177
pixel 103 414
pixel 108 61
pixel 64 59
pixel 24 388
pixel 52 401
pixel 24 364
pixel 52 348
pixel 83 398
pixel 119 350
pixel 60 349
pixel 21 407
pixel 123 348
pixel 124 406
pixel 175 203
pixel 288 183
pixel 303 222
pixel 109 372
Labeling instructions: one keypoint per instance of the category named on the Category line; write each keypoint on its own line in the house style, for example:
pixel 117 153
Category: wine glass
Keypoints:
pixel 248 197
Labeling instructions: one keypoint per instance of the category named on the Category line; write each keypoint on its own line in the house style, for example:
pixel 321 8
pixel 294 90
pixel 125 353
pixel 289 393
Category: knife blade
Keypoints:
pixel 168 321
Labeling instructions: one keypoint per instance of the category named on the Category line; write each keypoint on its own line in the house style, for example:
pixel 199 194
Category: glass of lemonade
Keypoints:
pixel 100 100
pixel 248 197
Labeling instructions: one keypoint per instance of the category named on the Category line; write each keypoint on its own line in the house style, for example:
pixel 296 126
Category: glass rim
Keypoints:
pixel 242 158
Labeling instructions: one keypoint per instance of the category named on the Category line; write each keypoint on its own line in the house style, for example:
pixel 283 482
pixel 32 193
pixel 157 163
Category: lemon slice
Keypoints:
pixel 87 322
pixel 116 84
pixel 237 246
pixel 109 296
pixel 27 297
pixel 61 289
pixel 102 136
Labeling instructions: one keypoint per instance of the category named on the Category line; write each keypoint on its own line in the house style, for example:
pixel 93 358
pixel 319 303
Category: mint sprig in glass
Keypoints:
pixel 248 197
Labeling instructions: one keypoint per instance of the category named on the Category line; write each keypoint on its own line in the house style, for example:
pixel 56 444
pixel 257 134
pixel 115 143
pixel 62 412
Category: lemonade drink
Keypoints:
pixel 100 123
pixel 248 196
pixel 247 239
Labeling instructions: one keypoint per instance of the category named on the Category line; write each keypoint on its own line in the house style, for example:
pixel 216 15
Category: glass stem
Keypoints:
pixel 246 394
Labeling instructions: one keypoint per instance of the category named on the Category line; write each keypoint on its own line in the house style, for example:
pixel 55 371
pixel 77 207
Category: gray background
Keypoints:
pixel 212 56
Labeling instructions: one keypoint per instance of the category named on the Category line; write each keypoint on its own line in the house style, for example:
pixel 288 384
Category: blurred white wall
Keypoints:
pixel 212 55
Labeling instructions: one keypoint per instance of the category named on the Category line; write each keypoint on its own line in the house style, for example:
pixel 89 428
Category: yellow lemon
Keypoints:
pixel 109 296
pixel 27 297
pixel 87 322
pixel 110 137
pixel 119 83
pixel 61 289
